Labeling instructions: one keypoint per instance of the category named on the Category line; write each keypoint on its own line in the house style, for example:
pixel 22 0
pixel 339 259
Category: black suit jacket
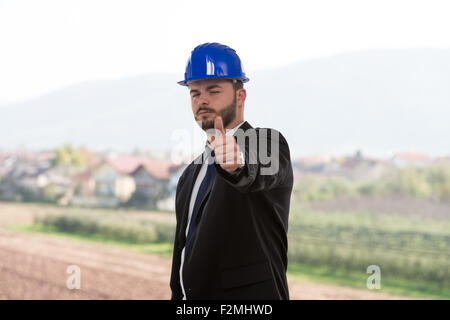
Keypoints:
pixel 239 249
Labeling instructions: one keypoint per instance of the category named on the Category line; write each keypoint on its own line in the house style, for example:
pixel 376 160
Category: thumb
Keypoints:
pixel 218 125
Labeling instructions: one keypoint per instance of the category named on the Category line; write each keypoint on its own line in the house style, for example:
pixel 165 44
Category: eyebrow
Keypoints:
pixel 208 88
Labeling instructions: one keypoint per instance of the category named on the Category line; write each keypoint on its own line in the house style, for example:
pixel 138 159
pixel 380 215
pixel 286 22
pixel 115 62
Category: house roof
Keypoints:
pixel 412 156
pixel 83 176
pixel 160 169
pixel 313 160
pixel 124 164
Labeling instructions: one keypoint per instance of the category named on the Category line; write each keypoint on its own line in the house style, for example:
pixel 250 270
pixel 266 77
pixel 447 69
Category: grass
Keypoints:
pixel 394 286
pixel 370 219
pixel 118 227
pixel 324 246
pixel 163 249
pixel 298 271
pixel 404 246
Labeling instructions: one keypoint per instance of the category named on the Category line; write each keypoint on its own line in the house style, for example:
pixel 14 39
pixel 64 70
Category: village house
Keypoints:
pixel 401 160
pixel 356 167
pixel 113 181
pixel 7 161
pixel 168 203
pixel 84 183
pixel 152 176
pixel 364 169
pixel 34 181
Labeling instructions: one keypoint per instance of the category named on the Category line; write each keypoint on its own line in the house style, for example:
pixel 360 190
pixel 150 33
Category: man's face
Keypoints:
pixel 211 98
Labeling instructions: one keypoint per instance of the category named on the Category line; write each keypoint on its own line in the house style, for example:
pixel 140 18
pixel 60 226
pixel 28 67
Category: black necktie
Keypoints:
pixel 204 187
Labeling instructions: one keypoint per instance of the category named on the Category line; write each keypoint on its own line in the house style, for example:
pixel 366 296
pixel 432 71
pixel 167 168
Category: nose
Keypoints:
pixel 202 100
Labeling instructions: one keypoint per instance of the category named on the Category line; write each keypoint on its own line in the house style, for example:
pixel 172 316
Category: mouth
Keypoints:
pixel 203 113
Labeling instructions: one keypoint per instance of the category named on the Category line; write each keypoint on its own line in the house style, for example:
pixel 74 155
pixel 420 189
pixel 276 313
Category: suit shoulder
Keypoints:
pixel 183 174
pixel 187 169
pixel 272 133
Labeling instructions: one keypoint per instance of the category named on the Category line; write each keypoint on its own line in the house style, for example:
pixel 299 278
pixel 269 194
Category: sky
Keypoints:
pixel 46 45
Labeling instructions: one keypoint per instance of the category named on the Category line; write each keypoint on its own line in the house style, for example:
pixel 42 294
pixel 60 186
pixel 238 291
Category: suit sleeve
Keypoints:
pixel 266 167
pixel 176 259
pixel 175 278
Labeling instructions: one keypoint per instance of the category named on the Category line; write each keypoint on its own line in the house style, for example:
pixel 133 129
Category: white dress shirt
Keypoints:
pixel 201 175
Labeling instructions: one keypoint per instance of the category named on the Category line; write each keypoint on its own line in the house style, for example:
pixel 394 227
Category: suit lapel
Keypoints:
pixel 190 181
pixel 203 199
pixel 244 127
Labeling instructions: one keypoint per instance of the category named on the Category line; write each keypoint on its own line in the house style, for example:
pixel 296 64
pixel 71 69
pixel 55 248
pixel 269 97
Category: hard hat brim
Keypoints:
pixel 185 82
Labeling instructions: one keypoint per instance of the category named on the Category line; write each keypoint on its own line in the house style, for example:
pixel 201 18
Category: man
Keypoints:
pixel 232 202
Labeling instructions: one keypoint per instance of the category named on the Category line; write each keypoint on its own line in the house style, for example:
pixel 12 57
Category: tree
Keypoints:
pixel 68 157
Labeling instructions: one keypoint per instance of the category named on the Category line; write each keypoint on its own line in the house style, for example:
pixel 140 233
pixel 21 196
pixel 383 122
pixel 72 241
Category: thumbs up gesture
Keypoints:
pixel 225 148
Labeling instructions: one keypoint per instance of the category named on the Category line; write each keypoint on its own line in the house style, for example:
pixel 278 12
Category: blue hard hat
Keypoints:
pixel 212 61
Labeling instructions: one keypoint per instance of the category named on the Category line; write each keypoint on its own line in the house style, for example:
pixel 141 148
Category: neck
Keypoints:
pixel 234 123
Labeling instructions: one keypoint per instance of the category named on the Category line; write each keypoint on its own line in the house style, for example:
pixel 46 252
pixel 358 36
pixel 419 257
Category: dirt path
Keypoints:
pixel 34 266
pixel 24 213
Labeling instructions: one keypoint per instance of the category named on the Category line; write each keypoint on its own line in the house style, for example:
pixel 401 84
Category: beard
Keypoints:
pixel 228 115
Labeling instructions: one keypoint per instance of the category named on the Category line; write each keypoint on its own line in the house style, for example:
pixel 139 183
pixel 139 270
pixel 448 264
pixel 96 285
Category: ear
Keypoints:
pixel 241 96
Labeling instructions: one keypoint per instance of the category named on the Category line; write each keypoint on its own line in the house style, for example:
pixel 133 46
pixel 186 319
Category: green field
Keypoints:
pixel 412 251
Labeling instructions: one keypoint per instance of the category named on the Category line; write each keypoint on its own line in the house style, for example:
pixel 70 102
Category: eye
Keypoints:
pixel 215 91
